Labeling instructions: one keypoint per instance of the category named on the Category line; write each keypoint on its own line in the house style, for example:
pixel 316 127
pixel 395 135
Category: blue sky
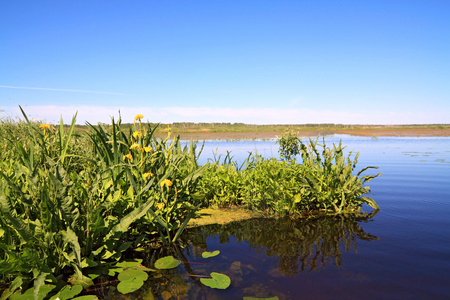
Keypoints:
pixel 259 62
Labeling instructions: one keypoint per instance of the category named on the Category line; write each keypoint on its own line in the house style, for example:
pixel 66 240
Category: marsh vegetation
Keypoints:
pixel 77 207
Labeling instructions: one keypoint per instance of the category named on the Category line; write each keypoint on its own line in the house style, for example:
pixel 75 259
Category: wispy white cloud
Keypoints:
pixel 94 114
pixel 59 90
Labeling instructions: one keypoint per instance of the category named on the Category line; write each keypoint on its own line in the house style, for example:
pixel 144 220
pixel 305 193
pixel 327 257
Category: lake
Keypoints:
pixel 402 252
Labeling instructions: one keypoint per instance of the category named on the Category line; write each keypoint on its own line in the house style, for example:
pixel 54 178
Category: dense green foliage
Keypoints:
pixel 71 201
pixel 323 181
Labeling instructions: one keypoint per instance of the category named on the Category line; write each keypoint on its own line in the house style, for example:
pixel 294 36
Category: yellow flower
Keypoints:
pixel 45 126
pixel 134 146
pixel 136 134
pixel 147 175
pixel 148 149
pixel 138 117
pixel 160 205
pixel 166 182
pixel 129 156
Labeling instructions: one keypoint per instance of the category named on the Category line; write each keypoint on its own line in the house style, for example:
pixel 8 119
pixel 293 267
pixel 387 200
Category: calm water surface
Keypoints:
pixel 402 252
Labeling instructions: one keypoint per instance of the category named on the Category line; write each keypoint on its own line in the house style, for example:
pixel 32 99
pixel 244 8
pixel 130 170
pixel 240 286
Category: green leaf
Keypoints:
pixel 128 263
pixel 87 262
pixel 87 297
pixel 207 254
pixel 68 292
pixel 126 221
pixel 5 295
pixel 71 237
pixel 29 294
pixel 131 280
pixel 84 281
pixel 39 287
pixel 218 281
pixel 129 286
pixel 369 201
pixel 132 274
pixel 167 262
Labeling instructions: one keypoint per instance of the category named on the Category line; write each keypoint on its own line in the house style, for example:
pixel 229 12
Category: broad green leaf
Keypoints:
pixel 218 281
pixel 39 287
pixel 132 274
pixel 131 280
pixel 17 282
pixel 167 262
pixel 129 286
pixel 128 263
pixel 5 295
pixel 126 221
pixel 207 254
pixel 84 281
pixel 29 294
pixel 68 292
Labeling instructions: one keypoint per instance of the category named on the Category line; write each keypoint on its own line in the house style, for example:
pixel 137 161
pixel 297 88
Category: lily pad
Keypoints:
pixel 131 280
pixel 132 274
pixel 129 286
pixel 207 254
pixel 218 281
pixel 167 262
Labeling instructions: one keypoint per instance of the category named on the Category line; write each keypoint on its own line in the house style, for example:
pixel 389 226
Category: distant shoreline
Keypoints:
pixel 380 131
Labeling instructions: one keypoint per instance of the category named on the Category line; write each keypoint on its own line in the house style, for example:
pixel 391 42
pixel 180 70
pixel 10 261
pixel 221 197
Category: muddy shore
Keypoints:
pixel 397 132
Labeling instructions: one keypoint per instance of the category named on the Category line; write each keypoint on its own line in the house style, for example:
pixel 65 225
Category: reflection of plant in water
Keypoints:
pixel 307 245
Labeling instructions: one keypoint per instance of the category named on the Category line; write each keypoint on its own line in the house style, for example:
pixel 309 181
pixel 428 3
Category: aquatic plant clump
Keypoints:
pixel 324 181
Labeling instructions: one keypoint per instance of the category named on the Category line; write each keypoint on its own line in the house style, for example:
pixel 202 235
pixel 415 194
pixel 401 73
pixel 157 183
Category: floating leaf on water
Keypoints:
pixel 129 286
pixel 131 280
pixel 132 274
pixel 167 262
pixel 207 254
pixel 218 281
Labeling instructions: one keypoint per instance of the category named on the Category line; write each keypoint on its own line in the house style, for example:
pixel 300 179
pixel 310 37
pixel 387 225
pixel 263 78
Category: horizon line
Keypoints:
pixel 61 90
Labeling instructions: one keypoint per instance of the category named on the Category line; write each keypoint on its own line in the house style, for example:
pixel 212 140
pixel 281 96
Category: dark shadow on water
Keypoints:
pixel 259 255
pixel 298 245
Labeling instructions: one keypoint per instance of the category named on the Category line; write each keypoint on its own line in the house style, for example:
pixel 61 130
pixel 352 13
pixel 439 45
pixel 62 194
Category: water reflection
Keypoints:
pixel 259 255
pixel 298 245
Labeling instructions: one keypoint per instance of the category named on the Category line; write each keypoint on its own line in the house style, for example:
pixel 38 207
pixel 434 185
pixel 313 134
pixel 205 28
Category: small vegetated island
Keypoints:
pixel 74 204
